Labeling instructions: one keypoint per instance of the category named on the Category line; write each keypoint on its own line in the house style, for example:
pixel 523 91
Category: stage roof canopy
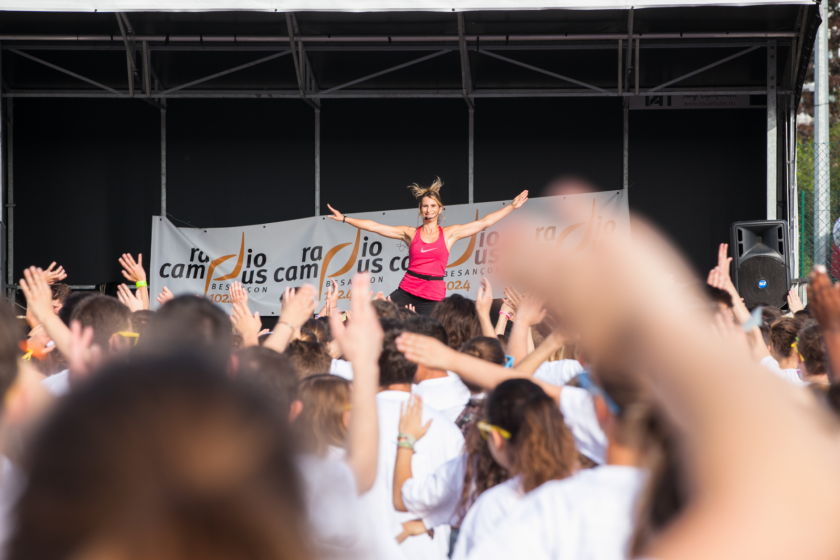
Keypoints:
pixel 362 5
pixel 692 47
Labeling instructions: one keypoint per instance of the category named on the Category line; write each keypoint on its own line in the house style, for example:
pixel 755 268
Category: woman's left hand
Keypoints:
pixel 519 200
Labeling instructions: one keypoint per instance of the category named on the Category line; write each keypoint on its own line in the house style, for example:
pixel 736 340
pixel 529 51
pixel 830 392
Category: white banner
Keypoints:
pixel 267 258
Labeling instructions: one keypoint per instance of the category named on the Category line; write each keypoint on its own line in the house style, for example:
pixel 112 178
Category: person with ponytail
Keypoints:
pixel 428 245
pixel 520 444
pixel 526 435
pixel 592 513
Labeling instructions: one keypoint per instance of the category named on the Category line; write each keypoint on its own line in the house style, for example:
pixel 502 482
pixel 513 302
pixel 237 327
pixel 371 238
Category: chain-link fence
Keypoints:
pixel 818 206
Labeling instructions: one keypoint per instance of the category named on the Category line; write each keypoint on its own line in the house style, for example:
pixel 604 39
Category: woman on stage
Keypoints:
pixel 428 246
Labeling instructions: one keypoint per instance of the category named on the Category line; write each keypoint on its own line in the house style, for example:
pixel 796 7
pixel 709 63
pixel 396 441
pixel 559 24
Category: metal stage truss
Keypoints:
pixel 616 75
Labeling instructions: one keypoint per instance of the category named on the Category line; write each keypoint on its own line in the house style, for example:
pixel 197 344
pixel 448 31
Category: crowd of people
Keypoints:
pixel 587 418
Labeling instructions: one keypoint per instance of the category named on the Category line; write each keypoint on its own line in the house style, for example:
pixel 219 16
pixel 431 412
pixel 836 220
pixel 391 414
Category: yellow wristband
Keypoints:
pixel 141 284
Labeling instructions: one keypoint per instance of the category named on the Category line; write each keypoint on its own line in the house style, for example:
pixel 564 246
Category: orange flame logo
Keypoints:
pixel 220 260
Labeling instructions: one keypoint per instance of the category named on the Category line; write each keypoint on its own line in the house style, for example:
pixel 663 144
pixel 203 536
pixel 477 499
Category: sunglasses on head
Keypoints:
pixel 133 335
pixel 795 347
pixel 485 428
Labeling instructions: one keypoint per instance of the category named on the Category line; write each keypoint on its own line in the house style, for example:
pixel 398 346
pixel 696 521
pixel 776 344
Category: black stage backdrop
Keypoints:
pixel 87 172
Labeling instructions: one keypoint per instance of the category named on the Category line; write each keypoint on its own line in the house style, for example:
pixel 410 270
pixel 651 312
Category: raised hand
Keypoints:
pixel 336 215
pixel 519 200
pixel 36 288
pixel 425 350
pixel 165 296
pixel 129 299
pixel 38 295
pixel 483 303
pixel 512 299
pixel 361 340
pixel 55 274
pixel 824 300
pixel 794 303
pixel 361 343
pixel 298 306
pixel 379 295
pixel 84 357
pixel 723 259
pixel 411 418
pixel 531 311
pixel 238 293
pixel 331 301
pixel 716 279
pixel 247 325
pixel 133 270
pixel 484 297
pixel 410 307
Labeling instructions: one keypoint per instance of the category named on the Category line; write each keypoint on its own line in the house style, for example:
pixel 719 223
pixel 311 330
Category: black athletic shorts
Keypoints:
pixel 422 306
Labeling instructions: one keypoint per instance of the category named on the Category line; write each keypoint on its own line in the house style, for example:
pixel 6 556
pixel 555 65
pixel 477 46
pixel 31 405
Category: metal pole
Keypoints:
pixel 792 187
pixel 129 57
pixel 470 198
pixel 147 85
pixel 626 174
pixel 772 134
pixel 822 153
pixel 10 205
pixel 636 81
pixel 2 155
pixel 2 141
pixel 620 49
pixel 163 159
pixel 629 61
pixel 317 162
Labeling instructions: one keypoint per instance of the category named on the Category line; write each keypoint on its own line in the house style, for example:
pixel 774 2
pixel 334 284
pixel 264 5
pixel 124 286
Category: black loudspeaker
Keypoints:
pixel 761 259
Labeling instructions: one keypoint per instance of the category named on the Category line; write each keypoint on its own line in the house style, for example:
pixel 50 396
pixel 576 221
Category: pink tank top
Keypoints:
pixel 430 259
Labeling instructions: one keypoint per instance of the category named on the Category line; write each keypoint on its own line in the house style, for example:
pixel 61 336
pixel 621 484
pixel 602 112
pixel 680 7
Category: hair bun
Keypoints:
pixel 419 192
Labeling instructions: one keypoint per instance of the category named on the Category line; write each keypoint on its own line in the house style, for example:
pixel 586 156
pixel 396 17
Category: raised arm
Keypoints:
pixel 454 233
pixel 361 344
pixel 434 354
pixel 404 233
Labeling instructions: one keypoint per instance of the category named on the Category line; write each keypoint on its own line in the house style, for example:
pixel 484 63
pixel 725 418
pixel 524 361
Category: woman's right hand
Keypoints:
pixel 336 215
pixel 411 418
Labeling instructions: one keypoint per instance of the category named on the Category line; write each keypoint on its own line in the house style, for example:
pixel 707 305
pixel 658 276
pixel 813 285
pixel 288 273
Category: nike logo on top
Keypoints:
pixel 425 251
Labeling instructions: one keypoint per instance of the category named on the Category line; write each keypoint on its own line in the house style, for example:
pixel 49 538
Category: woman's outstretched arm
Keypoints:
pixel 461 231
pixel 394 232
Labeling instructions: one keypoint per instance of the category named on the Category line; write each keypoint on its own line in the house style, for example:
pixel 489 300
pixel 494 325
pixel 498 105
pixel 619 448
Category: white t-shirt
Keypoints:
pixel 579 415
pixel 441 443
pixel 434 498
pixel 12 484
pixel 558 372
pixel 342 368
pixel 338 521
pixel 448 395
pixel 58 384
pixel 589 515
pixel 789 375
pixel 487 515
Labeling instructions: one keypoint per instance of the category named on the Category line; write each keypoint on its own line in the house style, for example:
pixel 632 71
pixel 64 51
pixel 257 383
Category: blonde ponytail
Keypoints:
pixel 432 192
